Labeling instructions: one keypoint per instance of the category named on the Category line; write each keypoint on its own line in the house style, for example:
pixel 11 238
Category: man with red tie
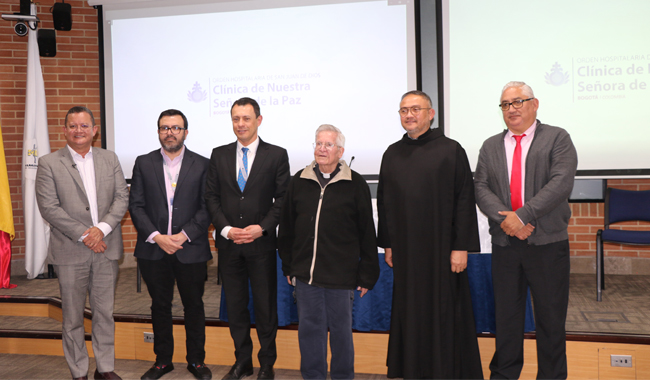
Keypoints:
pixel 523 180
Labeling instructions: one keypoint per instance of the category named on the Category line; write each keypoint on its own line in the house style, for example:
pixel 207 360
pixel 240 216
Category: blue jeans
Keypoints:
pixel 318 310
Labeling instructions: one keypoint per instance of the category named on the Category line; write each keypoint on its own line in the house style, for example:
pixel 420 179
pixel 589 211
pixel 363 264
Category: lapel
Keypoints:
pixel 186 166
pixel 532 150
pixel 68 163
pixel 502 162
pixel 231 163
pixel 100 168
pixel 159 171
pixel 260 157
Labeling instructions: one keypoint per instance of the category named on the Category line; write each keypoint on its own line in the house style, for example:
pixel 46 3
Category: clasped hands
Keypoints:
pixel 94 239
pixel 512 226
pixel 170 243
pixel 245 235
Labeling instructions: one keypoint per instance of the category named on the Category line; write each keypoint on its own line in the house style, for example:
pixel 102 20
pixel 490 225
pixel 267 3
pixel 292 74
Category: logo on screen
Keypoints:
pixel 557 76
pixel 197 94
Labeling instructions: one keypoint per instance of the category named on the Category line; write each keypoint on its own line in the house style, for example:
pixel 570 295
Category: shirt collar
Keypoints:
pixel 76 155
pixel 529 132
pixel 169 160
pixel 252 147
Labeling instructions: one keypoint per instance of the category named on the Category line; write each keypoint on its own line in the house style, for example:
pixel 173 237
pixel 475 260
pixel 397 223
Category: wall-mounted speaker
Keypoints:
pixel 25 7
pixel 46 42
pixel 62 16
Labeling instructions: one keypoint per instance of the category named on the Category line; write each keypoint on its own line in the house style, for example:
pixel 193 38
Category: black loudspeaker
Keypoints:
pixel 62 16
pixel 25 7
pixel 46 42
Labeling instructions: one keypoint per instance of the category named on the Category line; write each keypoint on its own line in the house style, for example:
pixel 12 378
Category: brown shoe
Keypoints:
pixel 106 375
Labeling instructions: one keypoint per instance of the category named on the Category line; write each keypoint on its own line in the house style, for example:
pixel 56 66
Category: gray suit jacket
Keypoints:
pixel 550 170
pixel 63 203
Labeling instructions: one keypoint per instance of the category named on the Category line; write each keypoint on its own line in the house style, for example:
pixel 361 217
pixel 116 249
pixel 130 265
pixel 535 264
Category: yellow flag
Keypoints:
pixel 6 212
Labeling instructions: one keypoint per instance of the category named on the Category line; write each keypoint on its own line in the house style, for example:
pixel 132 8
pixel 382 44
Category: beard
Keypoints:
pixel 172 144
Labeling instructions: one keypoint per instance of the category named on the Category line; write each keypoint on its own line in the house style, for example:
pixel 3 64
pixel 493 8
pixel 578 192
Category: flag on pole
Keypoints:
pixel 36 142
pixel 7 232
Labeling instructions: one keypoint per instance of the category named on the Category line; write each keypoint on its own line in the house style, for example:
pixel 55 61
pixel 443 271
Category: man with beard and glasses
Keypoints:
pixel 169 212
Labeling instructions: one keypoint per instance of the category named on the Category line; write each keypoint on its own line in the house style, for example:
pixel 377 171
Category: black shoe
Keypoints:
pixel 239 370
pixel 266 372
pixel 157 371
pixel 200 371
pixel 106 375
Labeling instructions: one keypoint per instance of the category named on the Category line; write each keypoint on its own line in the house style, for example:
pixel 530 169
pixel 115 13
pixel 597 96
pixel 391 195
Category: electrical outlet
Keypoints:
pixel 148 338
pixel 621 360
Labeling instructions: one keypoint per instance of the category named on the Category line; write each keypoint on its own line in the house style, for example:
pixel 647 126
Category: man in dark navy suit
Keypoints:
pixel 246 183
pixel 168 210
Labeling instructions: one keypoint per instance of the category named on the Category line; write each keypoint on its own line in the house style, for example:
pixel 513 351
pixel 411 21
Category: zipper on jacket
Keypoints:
pixel 313 258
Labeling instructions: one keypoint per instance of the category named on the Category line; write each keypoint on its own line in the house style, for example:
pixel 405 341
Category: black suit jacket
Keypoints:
pixel 261 201
pixel 149 211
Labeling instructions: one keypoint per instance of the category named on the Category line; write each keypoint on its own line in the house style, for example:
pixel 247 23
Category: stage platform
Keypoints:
pixel 618 325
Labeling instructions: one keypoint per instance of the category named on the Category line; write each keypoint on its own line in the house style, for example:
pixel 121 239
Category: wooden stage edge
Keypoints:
pixel 588 355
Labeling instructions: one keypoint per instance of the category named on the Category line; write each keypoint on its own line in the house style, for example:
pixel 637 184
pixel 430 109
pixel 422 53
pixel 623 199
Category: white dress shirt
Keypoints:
pixel 86 167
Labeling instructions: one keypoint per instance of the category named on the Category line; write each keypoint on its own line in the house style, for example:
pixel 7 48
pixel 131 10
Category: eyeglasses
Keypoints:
pixel 326 145
pixel 414 110
pixel 83 127
pixel 516 104
pixel 175 129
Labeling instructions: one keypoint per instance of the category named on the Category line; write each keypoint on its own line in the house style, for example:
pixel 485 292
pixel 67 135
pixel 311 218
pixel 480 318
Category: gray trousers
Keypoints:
pixel 96 277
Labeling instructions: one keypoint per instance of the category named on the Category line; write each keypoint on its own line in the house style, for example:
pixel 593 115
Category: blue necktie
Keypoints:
pixel 241 181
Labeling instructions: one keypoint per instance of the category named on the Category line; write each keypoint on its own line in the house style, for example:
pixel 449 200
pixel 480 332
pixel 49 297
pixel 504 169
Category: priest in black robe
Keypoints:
pixel 427 224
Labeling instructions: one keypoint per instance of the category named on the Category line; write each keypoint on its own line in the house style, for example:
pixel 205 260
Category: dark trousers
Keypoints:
pixel 318 310
pixel 545 268
pixel 237 268
pixel 160 275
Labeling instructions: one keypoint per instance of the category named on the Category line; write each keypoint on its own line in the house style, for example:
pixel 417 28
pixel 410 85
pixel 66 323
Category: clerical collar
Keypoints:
pixel 325 178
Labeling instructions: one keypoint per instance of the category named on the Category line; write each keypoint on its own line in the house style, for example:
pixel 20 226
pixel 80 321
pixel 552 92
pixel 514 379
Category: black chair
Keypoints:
pixel 621 206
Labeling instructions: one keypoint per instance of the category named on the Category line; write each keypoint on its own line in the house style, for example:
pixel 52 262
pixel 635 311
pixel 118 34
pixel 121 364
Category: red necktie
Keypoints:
pixel 515 176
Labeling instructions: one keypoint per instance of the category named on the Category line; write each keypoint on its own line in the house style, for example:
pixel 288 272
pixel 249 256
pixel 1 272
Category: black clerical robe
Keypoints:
pixel 426 209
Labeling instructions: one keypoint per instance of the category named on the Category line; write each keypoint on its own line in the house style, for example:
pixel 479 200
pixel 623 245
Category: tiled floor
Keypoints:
pixel 625 307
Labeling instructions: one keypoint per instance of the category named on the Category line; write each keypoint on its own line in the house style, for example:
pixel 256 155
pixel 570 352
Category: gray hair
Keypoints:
pixel 419 93
pixel 525 88
pixel 340 139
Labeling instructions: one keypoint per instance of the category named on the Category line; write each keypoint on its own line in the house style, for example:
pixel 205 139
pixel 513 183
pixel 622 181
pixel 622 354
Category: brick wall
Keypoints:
pixel 72 78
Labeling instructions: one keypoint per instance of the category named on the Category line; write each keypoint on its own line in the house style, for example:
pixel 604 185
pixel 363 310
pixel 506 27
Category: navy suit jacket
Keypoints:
pixel 149 208
pixel 259 203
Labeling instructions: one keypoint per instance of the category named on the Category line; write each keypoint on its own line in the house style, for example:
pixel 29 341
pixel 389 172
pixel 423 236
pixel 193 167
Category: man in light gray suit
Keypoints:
pixel 82 194
pixel 523 180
